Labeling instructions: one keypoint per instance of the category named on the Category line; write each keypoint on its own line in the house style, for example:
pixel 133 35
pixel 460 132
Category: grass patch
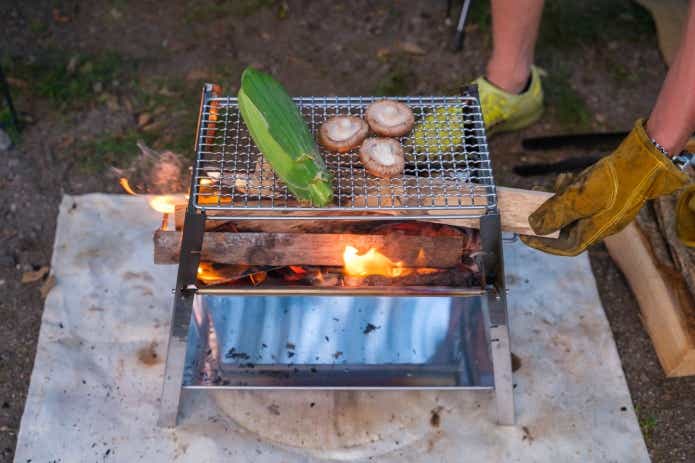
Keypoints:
pixel 620 73
pixel 647 424
pixel 568 23
pixel 8 127
pixel 479 14
pixel 177 102
pixel 52 78
pixel 120 150
pixel 396 82
pixel 207 11
pixel 567 106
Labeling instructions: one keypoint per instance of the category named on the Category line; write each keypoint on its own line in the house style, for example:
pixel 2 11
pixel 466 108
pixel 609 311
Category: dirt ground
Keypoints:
pixel 92 78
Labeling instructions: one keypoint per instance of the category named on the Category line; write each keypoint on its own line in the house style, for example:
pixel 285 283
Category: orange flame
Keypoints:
pixel 208 275
pixel 164 203
pixel 126 186
pixel 370 263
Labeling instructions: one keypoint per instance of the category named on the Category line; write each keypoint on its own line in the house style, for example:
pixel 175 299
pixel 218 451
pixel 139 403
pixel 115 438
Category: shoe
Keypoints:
pixel 506 112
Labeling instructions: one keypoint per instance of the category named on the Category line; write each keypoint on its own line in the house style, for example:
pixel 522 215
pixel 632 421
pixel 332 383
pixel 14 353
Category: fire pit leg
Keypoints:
pixel 191 244
pixel 500 349
pixel 501 361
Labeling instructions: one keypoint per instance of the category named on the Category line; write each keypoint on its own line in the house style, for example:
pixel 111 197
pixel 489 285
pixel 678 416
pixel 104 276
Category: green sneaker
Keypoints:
pixel 505 112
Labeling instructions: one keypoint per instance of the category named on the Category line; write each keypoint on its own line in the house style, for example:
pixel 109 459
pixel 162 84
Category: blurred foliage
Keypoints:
pixel 7 126
pixel 96 156
pixel 396 82
pixel 564 102
pixel 570 23
pixel 66 79
pixel 210 10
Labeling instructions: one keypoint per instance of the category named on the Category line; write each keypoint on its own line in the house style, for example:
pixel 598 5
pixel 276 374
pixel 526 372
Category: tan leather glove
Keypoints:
pixel 685 216
pixel 604 198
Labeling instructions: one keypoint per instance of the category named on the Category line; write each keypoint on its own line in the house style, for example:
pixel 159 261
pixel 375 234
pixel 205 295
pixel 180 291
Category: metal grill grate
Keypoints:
pixel 450 179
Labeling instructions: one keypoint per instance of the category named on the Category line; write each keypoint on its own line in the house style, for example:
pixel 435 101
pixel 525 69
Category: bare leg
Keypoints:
pixel 515 26
pixel 672 120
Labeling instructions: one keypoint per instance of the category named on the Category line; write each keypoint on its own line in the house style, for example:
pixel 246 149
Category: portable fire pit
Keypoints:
pixel 399 284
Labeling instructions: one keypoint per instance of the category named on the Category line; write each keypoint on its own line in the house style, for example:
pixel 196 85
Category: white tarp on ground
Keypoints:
pixel 97 377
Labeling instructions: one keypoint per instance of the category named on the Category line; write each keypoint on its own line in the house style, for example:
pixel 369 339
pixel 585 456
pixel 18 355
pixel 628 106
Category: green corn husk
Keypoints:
pixel 283 137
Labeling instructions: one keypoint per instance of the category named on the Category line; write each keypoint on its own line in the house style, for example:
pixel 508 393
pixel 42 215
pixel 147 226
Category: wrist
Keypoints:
pixel 669 143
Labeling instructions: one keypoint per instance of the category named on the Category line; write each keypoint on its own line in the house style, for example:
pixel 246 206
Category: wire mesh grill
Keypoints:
pixel 448 170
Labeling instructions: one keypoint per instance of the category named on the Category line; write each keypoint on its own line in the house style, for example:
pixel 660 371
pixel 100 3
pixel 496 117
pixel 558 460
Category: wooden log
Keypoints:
pixel 665 303
pixel 312 248
pixel 683 257
pixel 514 204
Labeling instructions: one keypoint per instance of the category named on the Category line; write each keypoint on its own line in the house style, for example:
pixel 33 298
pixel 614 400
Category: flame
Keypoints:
pixel 298 269
pixel 370 263
pixel 165 204
pixel 208 275
pixel 427 270
pixel 258 278
pixel 126 186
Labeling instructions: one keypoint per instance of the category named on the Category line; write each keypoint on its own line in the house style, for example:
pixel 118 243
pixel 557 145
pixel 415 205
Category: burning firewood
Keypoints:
pixel 312 248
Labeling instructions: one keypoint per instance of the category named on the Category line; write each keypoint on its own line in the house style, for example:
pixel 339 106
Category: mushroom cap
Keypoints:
pixel 390 118
pixel 382 157
pixel 342 133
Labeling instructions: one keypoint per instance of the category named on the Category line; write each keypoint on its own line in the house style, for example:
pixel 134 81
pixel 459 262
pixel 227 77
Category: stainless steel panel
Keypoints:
pixel 339 341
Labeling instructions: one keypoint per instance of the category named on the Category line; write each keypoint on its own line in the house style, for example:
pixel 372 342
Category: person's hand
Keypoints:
pixel 606 197
pixel 685 216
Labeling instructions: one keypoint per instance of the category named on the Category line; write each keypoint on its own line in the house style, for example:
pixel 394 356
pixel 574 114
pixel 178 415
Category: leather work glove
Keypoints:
pixel 606 197
pixel 685 216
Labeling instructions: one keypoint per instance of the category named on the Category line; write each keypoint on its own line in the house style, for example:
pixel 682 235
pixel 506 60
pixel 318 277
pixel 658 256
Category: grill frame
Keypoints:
pixel 232 181
pixel 492 295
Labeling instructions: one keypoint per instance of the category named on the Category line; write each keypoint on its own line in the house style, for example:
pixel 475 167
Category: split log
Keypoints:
pixel 312 248
pixel 514 204
pixel 682 257
pixel 666 305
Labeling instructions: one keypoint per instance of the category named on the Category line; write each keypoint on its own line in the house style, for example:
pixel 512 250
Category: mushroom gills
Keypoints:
pixel 382 157
pixel 383 154
pixel 342 129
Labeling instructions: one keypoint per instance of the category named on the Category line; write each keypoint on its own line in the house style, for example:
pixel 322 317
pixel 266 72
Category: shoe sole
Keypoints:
pixel 517 124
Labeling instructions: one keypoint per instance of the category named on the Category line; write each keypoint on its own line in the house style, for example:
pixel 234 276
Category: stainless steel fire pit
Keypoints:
pixel 402 337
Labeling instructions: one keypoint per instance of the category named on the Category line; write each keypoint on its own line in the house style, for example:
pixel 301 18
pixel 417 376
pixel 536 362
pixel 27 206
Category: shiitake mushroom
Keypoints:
pixel 342 133
pixel 382 157
pixel 390 118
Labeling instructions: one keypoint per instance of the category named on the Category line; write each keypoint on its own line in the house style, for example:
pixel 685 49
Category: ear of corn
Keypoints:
pixel 440 130
pixel 283 137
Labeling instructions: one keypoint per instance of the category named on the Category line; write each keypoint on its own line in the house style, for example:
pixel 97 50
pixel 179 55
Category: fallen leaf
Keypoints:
pixel 153 127
pixel 383 53
pixel 72 64
pixel 15 82
pixel 47 286
pixel 144 119
pixel 31 277
pixel 197 74
pixel 60 17
pixel 412 48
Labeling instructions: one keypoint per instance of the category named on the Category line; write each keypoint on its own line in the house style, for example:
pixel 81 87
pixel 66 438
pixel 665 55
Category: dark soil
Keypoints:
pixel 94 77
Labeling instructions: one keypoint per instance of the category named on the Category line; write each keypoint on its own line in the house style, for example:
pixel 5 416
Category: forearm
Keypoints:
pixel 672 120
